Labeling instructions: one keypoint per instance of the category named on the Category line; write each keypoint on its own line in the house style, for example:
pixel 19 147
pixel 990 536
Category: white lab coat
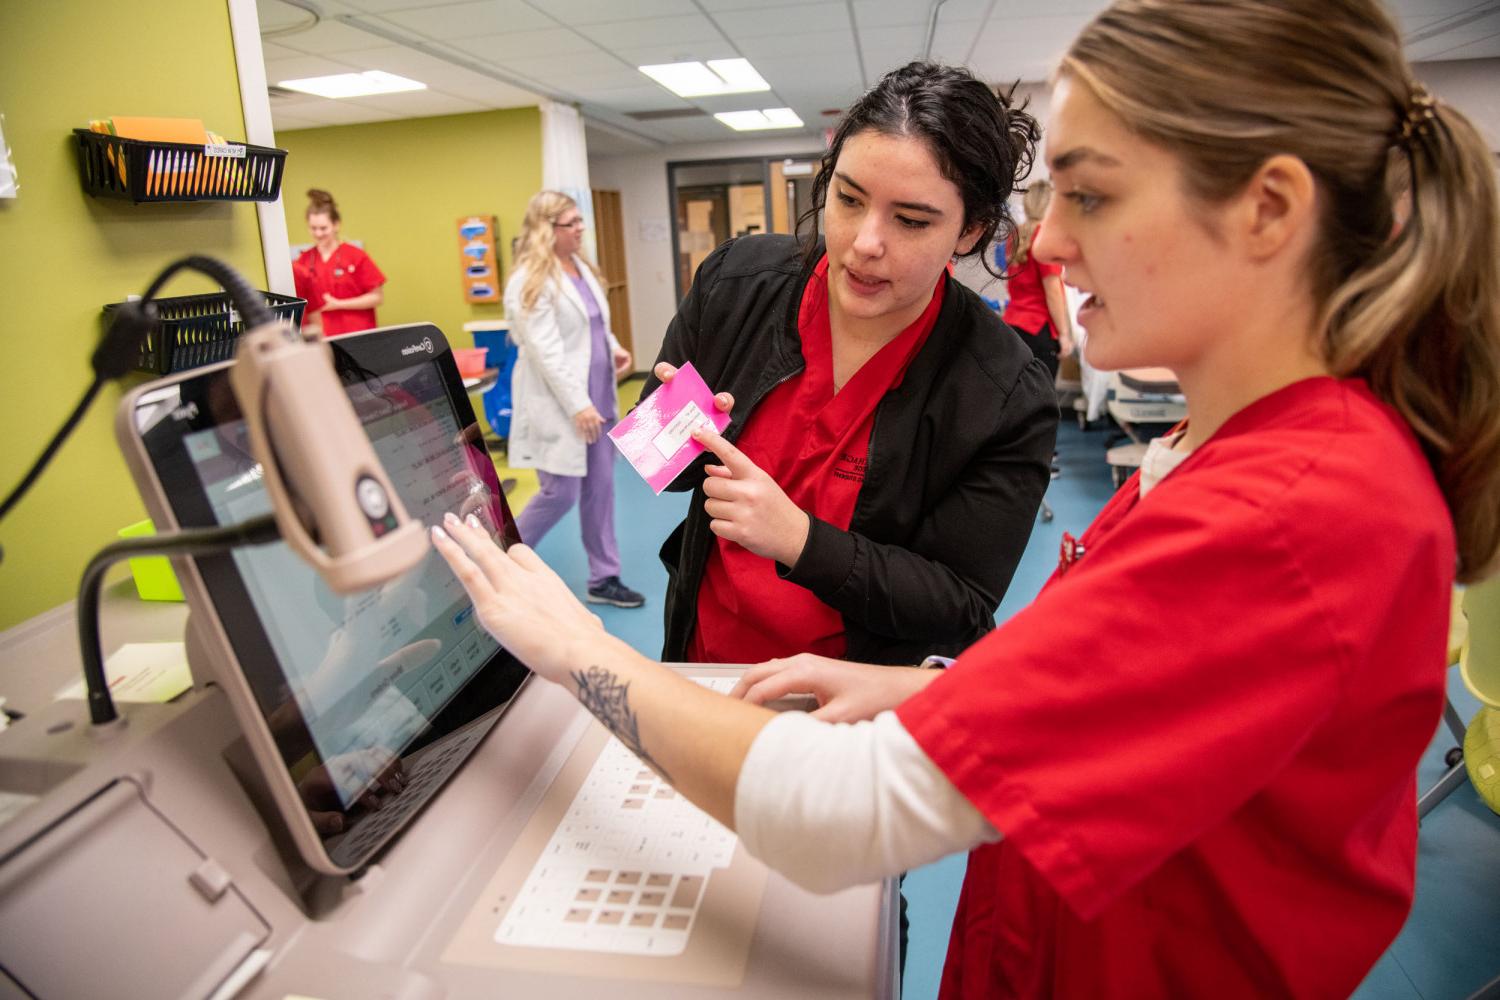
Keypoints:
pixel 550 382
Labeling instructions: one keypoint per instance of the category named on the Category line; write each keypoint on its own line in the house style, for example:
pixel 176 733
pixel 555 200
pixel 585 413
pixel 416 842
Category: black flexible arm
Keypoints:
pixel 189 542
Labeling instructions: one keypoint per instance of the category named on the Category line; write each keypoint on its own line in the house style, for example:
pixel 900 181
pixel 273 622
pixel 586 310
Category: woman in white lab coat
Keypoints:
pixel 563 388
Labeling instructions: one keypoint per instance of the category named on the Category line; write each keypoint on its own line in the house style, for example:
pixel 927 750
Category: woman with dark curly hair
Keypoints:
pixel 879 409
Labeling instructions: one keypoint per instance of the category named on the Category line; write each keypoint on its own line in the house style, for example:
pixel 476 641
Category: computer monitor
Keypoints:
pixel 356 708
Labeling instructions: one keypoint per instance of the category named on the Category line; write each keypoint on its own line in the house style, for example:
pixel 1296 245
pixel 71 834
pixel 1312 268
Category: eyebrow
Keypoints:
pixel 1079 154
pixel 915 206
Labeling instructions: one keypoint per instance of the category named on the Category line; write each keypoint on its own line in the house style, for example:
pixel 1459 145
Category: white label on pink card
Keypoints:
pixel 676 434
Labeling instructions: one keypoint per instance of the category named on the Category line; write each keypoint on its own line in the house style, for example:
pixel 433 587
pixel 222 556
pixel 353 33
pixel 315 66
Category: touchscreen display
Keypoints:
pixel 373 697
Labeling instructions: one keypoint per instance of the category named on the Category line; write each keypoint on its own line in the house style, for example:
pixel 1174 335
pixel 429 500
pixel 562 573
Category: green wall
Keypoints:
pixel 63 255
pixel 402 186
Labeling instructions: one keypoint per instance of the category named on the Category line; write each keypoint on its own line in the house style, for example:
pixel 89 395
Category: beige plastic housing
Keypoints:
pixel 300 423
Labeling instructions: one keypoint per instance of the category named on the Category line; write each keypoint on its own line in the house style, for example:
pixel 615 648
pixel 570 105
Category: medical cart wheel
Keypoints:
pixel 1453 756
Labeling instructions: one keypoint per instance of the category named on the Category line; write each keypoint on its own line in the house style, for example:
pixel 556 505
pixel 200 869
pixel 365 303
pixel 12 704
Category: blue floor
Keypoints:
pixel 1451 943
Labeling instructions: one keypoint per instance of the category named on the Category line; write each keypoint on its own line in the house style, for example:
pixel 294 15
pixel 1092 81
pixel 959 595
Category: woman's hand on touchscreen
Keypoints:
pixel 517 598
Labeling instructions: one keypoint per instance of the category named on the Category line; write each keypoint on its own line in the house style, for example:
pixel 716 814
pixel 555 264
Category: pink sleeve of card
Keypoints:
pixel 656 437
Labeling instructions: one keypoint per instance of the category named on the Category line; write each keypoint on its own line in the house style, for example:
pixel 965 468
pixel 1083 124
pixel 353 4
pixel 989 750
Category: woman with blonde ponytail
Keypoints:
pixel 1188 768
pixel 563 388
pixel 1038 306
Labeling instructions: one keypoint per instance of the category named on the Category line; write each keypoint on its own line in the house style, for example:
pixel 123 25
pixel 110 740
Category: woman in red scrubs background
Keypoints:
pixel 1188 768
pixel 340 282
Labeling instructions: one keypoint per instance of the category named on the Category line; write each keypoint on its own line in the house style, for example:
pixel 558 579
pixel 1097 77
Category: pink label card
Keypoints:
pixel 656 437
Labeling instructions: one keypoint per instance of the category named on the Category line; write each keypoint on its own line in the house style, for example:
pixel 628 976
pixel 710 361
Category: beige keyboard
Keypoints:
pixel 625 870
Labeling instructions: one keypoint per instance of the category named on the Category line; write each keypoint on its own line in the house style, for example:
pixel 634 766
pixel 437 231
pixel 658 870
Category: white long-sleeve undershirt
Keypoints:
pixel 832 806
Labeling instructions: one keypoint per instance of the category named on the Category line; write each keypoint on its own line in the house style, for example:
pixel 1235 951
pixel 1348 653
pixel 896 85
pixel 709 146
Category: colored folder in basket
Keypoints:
pixel 656 437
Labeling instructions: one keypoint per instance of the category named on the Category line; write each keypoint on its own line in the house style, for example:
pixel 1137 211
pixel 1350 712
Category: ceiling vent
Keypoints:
pixel 667 114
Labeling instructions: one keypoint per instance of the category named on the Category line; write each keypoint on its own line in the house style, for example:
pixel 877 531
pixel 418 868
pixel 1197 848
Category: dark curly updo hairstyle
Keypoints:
pixel 982 142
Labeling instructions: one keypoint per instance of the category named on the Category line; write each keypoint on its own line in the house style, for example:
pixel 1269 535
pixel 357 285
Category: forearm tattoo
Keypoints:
pixel 609 700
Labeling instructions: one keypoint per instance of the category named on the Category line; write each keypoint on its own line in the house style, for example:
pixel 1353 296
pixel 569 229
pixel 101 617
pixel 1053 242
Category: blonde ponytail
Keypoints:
pixel 1421 322
pixel 1035 201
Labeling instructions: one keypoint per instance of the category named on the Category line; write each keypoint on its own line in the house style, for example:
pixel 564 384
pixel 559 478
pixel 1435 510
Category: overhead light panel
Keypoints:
pixel 755 121
pixel 720 76
pixel 364 84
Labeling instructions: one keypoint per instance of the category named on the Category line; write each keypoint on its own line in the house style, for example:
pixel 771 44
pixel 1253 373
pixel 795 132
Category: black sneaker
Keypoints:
pixel 611 591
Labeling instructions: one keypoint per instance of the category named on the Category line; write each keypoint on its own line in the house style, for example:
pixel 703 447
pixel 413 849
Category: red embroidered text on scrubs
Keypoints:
pixel 814 443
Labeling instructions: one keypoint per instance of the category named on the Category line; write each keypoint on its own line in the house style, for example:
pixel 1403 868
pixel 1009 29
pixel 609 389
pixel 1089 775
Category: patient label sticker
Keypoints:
pixel 680 429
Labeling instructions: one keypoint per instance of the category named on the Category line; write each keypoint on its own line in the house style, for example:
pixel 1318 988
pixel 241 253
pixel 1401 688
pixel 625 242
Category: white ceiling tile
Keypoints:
pixel 421 104
pixel 651 55
pixel 1480 48
pixel 1024 48
pixel 579 66
pixel 525 44
pixel 1415 10
pixel 889 14
pixel 270 50
pixel 691 29
pixel 594 12
pixel 302 67
pixel 781 21
pixel 909 38
pixel 879 62
pixel 443 75
pixel 273 15
pixel 468 20
pixel 714 6
pixel 953 40
pixel 377 6
pixel 330 37
pixel 776 49
pixel 1444 35
pixel 1006 10
pixel 628 99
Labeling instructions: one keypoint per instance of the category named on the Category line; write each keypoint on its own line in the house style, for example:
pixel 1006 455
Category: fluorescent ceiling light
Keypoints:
pixel 353 84
pixel 752 121
pixel 720 76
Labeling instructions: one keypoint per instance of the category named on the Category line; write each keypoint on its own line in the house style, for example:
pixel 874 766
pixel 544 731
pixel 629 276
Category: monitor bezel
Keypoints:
pixel 219 601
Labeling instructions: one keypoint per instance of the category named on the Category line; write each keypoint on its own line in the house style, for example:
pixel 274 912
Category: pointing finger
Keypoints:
pixel 737 462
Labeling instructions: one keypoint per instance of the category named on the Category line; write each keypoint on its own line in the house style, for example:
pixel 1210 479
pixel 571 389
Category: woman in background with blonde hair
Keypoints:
pixel 1038 306
pixel 1188 769
pixel 563 388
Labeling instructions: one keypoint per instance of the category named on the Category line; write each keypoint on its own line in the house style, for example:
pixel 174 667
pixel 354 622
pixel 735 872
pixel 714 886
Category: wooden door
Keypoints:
pixel 609 232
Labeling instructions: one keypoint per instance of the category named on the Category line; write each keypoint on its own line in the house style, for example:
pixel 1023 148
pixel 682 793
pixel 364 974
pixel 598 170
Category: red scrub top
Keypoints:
pixel 1200 741
pixel 1027 308
pixel 814 443
pixel 347 272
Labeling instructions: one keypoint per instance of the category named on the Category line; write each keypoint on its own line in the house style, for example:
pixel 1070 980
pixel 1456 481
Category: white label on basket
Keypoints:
pixel 228 150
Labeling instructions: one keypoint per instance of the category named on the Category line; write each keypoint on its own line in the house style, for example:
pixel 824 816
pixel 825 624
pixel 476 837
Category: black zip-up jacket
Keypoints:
pixel 958 462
